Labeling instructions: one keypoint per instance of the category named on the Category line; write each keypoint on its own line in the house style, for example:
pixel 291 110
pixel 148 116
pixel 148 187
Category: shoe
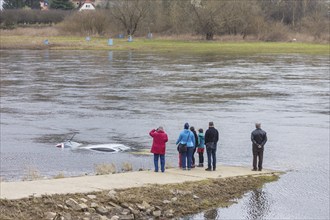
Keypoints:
pixel 213 169
pixel 208 169
pixel 259 169
pixel 156 171
pixel 254 169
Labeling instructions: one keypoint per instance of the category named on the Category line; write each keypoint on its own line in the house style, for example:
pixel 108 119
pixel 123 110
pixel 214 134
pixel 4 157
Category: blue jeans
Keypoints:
pixel 162 162
pixel 211 157
pixel 186 158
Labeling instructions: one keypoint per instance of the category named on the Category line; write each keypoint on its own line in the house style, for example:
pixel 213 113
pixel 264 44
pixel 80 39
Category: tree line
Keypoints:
pixel 269 20
pixel 35 4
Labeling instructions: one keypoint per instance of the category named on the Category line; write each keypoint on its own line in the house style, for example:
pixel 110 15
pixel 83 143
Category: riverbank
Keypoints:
pixel 8 41
pixel 132 195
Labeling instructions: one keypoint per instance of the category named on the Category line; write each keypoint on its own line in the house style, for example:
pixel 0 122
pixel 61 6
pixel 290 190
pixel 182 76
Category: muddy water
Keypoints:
pixel 118 97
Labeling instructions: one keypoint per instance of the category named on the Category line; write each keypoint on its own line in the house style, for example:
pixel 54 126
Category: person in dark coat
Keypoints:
pixel 192 129
pixel 158 147
pixel 211 140
pixel 259 139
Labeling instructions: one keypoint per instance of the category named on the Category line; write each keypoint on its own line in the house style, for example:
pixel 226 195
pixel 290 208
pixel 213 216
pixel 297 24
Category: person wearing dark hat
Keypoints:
pixel 158 147
pixel 259 139
pixel 187 138
pixel 211 140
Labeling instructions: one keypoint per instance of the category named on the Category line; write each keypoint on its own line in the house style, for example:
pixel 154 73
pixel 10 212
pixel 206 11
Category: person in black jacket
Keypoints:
pixel 192 129
pixel 259 139
pixel 211 140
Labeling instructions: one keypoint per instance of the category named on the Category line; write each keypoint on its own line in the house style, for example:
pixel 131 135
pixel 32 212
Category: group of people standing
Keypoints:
pixel 192 141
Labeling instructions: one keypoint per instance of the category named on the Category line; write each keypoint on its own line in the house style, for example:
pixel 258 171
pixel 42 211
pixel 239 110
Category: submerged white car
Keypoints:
pixel 112 148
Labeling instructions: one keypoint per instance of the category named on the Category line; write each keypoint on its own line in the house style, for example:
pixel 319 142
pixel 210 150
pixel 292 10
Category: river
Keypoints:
pixel 112 97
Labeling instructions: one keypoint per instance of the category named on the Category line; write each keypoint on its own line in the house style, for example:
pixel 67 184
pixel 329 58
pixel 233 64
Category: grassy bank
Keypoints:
pixel 160 45
pixel 167 201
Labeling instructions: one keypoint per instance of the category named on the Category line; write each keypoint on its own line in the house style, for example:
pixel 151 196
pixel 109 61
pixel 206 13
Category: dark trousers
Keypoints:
pixel 211 157
pixel 201 157
pixel 186 158
pixel 258 154
pixel 193 157
pixel 162 162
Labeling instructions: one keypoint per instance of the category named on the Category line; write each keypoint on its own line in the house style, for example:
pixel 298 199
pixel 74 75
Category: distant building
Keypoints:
pixel 78 4
pixel 87 5
pixel 96 3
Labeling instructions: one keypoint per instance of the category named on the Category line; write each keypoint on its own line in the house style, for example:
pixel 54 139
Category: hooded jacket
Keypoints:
pixel 201 140
pixel 159 140
pixel 186 137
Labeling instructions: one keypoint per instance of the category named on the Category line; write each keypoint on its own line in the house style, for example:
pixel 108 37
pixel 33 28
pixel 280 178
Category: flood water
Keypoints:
pixel 118 97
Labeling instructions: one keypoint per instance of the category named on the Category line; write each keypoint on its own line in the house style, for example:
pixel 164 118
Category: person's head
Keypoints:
pixel 258 125
pixel 211 124
pixel 186 125
pixel 192 128
pixel 200 130
pixel 160 128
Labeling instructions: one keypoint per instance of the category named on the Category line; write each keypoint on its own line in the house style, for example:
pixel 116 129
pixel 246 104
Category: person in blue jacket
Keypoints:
pixel 186 137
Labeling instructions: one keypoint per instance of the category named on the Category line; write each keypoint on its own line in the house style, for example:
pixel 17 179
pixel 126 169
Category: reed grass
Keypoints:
pixel 126 167
pixel 31 174
pixel 103 169
pixel 59 176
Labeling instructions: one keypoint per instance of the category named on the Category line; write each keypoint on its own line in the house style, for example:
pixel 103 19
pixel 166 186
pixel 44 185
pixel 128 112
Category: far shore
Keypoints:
pixel 19 42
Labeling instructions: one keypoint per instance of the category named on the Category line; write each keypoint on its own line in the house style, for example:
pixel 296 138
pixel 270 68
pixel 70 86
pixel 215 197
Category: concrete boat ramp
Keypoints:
pixel 85 184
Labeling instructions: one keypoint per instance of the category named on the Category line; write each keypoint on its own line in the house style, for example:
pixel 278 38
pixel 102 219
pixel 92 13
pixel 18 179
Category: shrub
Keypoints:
pixel 275 32
pixel 87 22
pixel 11 17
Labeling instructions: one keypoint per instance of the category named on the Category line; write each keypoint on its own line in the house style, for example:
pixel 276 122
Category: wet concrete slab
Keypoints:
pixel 85 184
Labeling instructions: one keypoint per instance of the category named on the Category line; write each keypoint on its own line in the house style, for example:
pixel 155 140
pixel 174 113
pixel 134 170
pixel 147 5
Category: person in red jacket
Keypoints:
pixel 159 146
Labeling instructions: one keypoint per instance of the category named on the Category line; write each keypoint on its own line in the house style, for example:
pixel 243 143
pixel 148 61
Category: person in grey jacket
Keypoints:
pixel 259 139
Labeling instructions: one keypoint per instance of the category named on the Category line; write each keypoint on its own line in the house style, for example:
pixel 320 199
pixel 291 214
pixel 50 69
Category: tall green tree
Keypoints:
pixel 61 4
pixel 13 4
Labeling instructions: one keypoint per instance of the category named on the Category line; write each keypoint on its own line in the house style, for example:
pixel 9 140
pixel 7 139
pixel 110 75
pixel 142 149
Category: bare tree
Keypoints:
pixel 129 13
pixel 207 15
pixel 317 23
pixel 242 17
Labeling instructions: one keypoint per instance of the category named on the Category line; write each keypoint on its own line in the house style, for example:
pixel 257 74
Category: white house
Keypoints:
pixel 87 5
